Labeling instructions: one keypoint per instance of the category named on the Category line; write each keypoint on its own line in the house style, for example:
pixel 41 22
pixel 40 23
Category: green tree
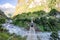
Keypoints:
pixel 53 12
pixel 54 36
pixel 2 19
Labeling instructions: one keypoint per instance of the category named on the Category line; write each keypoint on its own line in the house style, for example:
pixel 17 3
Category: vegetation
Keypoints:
pixel 54 36
pixel 2 19
pixel 4 35
pixel 44 21
pixel 18 38
pixel 52 4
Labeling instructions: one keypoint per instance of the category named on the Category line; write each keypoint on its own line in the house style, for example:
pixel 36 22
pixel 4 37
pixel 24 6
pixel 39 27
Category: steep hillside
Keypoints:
pixel 34 5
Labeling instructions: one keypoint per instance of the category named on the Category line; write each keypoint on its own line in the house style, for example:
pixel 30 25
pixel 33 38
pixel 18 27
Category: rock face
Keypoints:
pixel 8 9
pixel 28 6
pixel 2 14
pixel 33 5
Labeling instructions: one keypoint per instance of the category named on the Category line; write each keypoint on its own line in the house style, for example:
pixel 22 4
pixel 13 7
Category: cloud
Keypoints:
pixel 7 8
pixel 7 5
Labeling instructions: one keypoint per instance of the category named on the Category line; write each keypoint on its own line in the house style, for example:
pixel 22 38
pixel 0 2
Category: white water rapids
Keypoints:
pixel 21 31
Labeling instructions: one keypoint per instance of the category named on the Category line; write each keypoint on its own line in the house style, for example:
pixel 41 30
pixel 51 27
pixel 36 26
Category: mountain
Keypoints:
pixel 2 14
pixel 29 6
pixel 8 9
pixel 36 5
pixel 46 5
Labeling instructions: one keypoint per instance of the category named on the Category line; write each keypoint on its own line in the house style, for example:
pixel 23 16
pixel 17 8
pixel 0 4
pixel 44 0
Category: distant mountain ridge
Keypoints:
pixel 7 8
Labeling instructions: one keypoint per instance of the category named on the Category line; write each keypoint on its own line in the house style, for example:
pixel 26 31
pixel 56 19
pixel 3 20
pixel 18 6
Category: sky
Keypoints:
pixel 13 2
